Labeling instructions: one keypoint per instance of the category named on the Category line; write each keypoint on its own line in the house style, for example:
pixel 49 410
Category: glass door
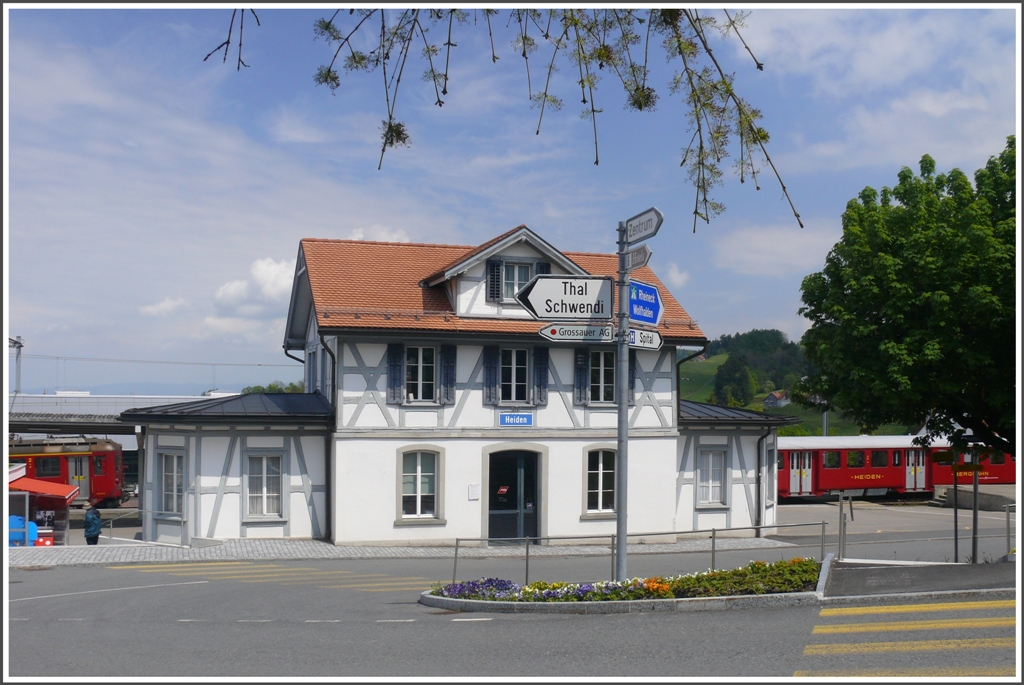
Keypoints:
pixel 512 495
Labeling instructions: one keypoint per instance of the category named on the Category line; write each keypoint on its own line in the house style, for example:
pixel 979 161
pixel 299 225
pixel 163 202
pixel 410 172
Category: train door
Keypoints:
pixel 78 474
pixel 800 473
pixel 915 470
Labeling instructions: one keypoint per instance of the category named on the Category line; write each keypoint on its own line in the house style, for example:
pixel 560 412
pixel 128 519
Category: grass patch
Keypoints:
pixel 756 578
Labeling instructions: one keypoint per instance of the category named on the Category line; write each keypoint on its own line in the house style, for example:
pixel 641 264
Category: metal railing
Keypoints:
pixel 611 541
pixel 1006 509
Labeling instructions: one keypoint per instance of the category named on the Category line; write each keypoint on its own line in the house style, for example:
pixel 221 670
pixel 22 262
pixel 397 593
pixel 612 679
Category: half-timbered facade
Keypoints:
pixel 452 417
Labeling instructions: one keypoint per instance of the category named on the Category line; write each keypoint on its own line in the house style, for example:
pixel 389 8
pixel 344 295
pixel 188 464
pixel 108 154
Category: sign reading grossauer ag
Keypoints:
pixel 568 298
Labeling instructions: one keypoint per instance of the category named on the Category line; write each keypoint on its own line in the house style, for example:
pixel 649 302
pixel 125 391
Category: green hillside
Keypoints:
pixel 697 380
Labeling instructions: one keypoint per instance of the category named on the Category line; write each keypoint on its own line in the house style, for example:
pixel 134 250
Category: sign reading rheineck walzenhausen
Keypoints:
pixel 568 298
pixel 645 303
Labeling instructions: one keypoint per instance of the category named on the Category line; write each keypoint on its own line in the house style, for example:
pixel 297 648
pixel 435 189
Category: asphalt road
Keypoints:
pixel 361 618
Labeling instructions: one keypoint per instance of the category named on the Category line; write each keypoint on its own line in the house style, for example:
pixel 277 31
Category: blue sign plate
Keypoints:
pixel 515 419
pixel 644 303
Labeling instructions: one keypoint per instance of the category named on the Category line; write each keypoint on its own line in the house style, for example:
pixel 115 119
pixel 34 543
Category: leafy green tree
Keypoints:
pixel 769 354
pixel 274 386
pixel 734 384
pixel 913 316
pixel 618 43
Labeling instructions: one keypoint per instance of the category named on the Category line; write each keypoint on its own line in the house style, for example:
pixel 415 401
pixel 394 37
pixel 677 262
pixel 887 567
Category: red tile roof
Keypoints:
pixel 360 285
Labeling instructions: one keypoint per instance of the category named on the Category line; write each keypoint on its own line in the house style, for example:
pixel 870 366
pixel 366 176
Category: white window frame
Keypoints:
pixel 420 519
pixel 515 281
pixel 417 396
pixel 602 475
pixel 513 383
pixel 705 478
pixel 771 487
pixel 263 495
pixel 417 474
pixel 178 482
pixel 598 391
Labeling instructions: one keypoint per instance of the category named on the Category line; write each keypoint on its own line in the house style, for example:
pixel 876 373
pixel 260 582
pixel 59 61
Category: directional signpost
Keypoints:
pixel 568 298
pixel 644 306
pixel 643 226
pixel 577 333
pixel 645 303
pixel 644 340
pixel 638 257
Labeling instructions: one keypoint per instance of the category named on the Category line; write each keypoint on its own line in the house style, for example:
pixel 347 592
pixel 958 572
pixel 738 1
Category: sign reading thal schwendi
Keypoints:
pixel 568 298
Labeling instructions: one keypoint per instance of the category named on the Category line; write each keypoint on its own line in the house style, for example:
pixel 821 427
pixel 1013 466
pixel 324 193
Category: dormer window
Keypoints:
pixel 506 278
pixel 515 277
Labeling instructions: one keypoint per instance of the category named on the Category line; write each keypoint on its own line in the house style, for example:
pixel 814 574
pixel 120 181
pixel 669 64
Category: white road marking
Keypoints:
pixel 472 619
pixel 191 620
pixel 395 620
pixel 19 619
pixel 112 589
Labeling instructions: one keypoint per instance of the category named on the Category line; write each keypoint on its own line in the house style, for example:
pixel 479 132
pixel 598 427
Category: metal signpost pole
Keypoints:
pixel 974 522
pixel 622 390
pixel 956 505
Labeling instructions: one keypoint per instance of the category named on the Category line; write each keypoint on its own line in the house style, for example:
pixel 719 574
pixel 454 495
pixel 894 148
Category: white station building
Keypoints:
pixel 435 410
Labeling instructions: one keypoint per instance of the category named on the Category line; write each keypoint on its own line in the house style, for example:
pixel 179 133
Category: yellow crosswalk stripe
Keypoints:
pixel 932 672
pixel 909 646
pixel 892 626
pixel 919 608
pixel 164 567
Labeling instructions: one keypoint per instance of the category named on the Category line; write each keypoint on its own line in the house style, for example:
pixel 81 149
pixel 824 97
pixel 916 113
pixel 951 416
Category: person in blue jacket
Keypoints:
pixel 93 526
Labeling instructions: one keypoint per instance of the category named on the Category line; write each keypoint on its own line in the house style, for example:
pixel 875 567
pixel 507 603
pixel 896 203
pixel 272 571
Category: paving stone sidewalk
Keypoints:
pixel 267 550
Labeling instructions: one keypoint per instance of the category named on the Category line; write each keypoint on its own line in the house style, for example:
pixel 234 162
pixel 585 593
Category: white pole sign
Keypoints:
pixel 643 226
pixel 577 332
pixel 638 257
pixel 644 340
pixel 568 298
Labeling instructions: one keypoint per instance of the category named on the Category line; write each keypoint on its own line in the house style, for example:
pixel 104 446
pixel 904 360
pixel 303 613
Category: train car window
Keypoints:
pixel 48 466
pixel 896 457
pixel 855 459
pixel 999 458
pixel 782 460
pixel 793 456
pixel 830 460
pixel 97 466
pixel 879 459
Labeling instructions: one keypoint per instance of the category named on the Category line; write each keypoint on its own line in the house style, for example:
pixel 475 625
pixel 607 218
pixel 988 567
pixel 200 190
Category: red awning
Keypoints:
pixel 41 487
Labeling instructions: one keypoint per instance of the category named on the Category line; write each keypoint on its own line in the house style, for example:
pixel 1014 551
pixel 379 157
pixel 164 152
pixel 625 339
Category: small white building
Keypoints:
pixel 444 414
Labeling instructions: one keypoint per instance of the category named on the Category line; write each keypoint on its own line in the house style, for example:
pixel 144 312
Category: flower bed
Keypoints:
pixel 756 578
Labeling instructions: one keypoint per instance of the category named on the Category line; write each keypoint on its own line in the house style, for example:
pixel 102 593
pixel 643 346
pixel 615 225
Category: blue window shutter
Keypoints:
pixel 540 375
pixel 491 355
pixel 581 386
pixel 447 394
pixel 543 268
pixel 494 280
pixel 632 377
pixel 396 373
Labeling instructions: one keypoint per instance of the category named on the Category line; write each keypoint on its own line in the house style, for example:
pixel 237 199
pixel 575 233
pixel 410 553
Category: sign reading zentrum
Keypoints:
pixel 568 298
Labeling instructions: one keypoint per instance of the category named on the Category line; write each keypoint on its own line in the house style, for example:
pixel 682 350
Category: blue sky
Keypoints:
pixel 154 202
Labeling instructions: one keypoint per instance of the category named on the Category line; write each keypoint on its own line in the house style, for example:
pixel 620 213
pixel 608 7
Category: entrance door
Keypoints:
pixel 799 473
pixel 915 470
pixel 512 495
pixel 78 474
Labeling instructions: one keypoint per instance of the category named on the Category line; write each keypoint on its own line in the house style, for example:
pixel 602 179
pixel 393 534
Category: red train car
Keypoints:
pixel 810 466
pixel 93 464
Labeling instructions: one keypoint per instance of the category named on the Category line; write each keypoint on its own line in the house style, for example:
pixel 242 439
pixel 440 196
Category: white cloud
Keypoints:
pixel 232 292
pixel 273 278
pixel 379 233
pixel 776 250
pixel 288 126
pixel 163 308
pixel 677 278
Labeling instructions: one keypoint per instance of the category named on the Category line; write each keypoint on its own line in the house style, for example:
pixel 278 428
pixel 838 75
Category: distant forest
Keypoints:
pixel 759 361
